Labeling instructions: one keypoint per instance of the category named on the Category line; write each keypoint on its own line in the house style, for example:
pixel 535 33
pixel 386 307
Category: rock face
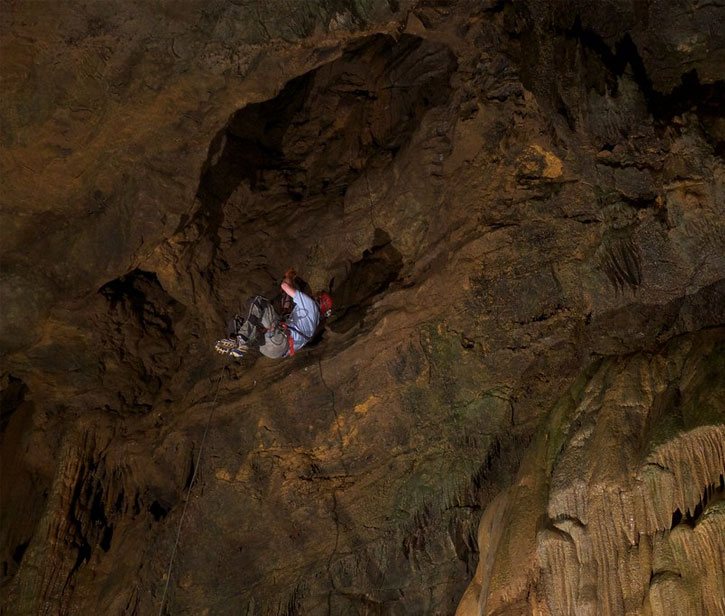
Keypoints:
pixel 519 210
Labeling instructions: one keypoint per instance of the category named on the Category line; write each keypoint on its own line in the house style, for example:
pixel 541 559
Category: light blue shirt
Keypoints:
pixel 304 318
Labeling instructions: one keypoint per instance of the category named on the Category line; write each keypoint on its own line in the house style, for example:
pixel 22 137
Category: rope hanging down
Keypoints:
pixel 188 491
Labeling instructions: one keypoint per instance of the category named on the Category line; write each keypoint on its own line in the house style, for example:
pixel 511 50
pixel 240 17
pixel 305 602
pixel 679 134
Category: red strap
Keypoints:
pixel 289 338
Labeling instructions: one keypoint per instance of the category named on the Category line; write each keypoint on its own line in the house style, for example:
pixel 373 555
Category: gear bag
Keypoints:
pixel 324 301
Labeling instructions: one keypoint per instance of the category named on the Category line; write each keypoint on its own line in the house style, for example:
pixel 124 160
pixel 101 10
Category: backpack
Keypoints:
pixel 324 301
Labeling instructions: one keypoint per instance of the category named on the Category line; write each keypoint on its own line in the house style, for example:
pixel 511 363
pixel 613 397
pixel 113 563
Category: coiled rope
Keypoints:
pixel 188 491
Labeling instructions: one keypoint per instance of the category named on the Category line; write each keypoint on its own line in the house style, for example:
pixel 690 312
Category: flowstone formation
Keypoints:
pixel 627 474
pixel 518 404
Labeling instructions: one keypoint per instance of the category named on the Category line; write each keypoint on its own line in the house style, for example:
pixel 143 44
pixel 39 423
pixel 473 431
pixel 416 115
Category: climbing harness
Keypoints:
pixel 188 491
pixel 286 329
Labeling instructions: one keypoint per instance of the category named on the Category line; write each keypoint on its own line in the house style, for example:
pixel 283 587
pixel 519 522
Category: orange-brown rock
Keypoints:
pixel 518 208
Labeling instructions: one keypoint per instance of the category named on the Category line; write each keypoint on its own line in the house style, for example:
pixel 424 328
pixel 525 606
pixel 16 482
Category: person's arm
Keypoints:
pixel 289 289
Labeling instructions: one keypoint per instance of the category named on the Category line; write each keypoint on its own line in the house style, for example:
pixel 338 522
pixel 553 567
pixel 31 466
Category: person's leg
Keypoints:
pixel 257 317
pixel 244 331
pixel 234 325
pixel 268 317
pixel 274 343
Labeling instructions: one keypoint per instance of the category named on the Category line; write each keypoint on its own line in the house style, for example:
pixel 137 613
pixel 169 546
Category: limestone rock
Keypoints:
pixel 631 474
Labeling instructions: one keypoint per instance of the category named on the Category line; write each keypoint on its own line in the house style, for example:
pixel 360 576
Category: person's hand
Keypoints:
pixel 290 275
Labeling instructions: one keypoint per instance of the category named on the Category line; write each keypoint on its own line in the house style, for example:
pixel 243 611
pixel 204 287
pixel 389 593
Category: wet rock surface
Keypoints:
pixel 519 210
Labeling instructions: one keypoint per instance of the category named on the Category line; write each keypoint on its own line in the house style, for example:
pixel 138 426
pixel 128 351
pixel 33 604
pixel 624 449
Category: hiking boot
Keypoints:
pixel 231 346
pixel 236 353
pixel 225 345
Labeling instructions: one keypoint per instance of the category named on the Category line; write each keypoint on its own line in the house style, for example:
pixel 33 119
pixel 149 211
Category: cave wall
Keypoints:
pixel 518 208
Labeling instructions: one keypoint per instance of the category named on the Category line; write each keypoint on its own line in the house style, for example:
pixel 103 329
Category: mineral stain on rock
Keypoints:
pixel 517 406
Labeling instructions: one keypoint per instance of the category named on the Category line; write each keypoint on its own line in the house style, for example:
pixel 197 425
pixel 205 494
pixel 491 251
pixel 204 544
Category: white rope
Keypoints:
pixel 188 492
